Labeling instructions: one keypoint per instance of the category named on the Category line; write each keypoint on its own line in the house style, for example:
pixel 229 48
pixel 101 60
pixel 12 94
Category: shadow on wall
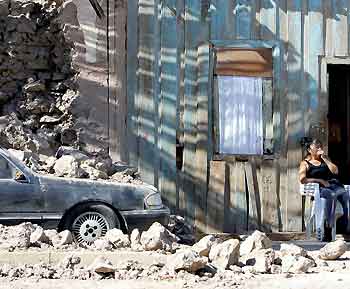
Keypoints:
pixel 88 32
pixel 297 85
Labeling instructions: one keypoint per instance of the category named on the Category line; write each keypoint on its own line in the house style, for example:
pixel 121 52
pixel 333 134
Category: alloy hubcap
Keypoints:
pixel 88 227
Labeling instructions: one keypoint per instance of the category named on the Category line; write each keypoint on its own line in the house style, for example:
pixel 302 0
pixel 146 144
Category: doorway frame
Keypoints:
pixel 324 89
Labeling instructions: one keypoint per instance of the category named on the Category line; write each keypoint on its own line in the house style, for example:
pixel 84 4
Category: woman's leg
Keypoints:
pixel 342 222
pixel 329 205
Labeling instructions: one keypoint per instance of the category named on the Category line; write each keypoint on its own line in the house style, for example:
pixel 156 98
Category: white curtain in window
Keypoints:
pixel 240 115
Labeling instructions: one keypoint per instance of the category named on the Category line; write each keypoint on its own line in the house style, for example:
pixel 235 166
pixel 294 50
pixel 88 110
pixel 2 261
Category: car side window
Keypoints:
pixel 7 170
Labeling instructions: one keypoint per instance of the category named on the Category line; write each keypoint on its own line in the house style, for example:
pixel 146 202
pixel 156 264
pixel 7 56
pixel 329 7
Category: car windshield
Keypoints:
pixel 7 170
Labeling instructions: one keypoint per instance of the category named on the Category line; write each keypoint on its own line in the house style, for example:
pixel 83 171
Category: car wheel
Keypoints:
pixel 91 221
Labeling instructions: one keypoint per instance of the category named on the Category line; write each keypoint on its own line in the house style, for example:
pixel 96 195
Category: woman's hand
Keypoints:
pixel 324 183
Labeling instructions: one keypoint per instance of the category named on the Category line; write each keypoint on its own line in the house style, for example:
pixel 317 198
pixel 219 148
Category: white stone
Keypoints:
pixel 292 249
pixel 225 254
pixel 62 238
pixel 135 238
pixel 49 119
pixel 157 237
pixel 102 265
pixel 257 240
pixel 262 260
pixel 93 173
pixel 187 260
pixel 117 238
pixel 39 236
pixel 51 234
pixel 203 246
pixel 103 244
pixel 296 264
pixel 333 250
pixel 67 166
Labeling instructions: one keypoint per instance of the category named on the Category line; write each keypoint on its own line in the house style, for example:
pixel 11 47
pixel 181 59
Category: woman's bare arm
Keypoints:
pixel 332 167
pixel 304 180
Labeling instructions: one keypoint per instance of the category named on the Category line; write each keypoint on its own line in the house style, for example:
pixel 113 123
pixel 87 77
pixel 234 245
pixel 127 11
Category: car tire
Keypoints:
pixel 88 222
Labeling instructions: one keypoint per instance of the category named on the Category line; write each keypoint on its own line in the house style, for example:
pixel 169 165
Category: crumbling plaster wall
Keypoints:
pixel 104 118
pixel 98 110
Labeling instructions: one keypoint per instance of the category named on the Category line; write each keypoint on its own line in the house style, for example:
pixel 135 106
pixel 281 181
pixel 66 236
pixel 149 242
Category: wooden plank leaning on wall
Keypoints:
pixel 202 135
pixel 218 211
pixel 132 63
pixel 295 113
pixel 147 113
pixel 167 106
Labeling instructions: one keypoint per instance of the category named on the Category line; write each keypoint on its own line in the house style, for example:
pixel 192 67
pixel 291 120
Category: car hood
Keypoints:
pixel 52 180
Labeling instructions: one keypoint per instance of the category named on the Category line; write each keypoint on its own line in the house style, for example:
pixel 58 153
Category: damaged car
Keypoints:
pixel 85 207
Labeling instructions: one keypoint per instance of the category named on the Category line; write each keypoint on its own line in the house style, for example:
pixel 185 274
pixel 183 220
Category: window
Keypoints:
pixel 243 101
pixel 7 171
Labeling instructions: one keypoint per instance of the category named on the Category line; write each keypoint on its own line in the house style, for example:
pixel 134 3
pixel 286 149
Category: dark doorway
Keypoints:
pixel 339 118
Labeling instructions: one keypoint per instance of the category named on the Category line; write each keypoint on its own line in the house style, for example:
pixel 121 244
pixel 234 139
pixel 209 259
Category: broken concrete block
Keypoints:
pixel 203 246
pixel 39 236
pixel 333 250
pixel 292 249
pixel 296 264
pixel 157 237
pixel 262 260
pixel 117 238
pixel 258 240
pixel 63 238
pixel 103 245
pixel 135 238
pixel 187 260
pixel 102 265
pixel 225 254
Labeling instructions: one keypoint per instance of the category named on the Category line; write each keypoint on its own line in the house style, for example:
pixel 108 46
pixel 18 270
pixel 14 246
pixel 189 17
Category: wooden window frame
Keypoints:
pixel 271 117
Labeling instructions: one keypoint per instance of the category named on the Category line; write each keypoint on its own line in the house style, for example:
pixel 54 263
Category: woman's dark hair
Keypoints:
pixel 315 142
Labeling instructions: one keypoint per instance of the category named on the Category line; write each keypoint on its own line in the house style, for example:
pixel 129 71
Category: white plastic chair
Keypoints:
pixel 313 190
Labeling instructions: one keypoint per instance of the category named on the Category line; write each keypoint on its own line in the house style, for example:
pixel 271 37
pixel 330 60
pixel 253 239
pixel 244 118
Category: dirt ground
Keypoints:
pixel 303 281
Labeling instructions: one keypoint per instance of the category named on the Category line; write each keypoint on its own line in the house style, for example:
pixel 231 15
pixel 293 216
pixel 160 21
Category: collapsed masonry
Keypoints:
pixel 211 258
pixel 41 111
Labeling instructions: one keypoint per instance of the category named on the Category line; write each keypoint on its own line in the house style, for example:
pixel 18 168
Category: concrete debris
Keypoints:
pixel 68 166
pixel 157 237
pixel 203 246
pixel 225 254
pixel 103 245
pixel 70 261
pixel 39 236
pixel 333 250
pixel 40 104
pixel 292 249
pixel 188 260
pixel 296 264
pixel 102 265
pixel 62 238
pixel 135 240
pixel 16 236
pixel 117 238
pixel 261 260
pixel 257 240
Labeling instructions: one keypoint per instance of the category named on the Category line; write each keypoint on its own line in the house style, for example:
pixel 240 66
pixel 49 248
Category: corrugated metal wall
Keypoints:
pixel 169 98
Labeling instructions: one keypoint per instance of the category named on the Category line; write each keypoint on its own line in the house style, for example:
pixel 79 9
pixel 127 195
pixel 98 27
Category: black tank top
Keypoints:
pixel 319 172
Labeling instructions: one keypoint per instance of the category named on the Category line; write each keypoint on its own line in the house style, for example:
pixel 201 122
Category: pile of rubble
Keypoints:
pixel 41 109
pixel 210 257
pixel 37 83
pixel 73 163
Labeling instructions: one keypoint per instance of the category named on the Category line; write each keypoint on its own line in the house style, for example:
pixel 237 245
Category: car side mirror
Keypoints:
pixel 20 177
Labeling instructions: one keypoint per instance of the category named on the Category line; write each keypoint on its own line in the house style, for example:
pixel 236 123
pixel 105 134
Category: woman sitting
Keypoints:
pixel 318 168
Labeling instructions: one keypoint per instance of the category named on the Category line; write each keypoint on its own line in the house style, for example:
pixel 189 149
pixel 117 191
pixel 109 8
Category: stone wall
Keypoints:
pixel 37 81
pixel 53 78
